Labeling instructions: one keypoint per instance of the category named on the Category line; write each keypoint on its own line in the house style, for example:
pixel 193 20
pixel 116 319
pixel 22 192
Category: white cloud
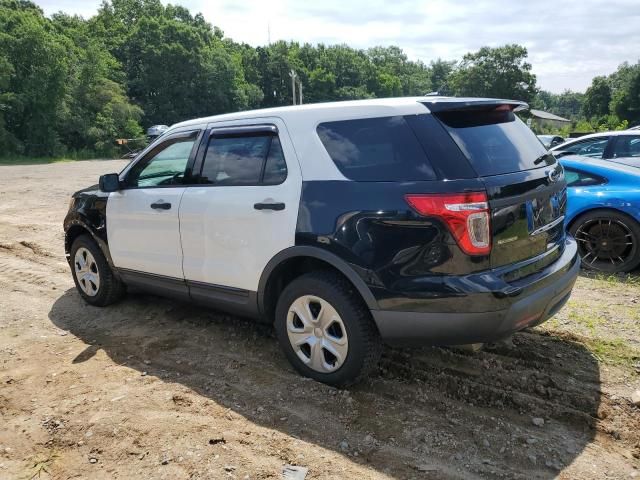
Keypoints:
pixel 569 42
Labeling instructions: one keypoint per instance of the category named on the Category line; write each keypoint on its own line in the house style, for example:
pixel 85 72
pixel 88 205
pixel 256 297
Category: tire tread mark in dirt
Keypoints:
pixel 489 389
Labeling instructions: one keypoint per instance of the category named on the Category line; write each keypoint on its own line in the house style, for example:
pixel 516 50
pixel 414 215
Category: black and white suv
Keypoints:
pixel 419 221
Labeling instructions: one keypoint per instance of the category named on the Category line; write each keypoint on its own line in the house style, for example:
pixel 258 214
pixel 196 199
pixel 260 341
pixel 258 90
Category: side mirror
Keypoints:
pixel 109 182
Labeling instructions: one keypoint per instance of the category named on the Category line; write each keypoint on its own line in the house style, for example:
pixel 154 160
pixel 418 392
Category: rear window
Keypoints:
pixel 375 149
pixel 495 141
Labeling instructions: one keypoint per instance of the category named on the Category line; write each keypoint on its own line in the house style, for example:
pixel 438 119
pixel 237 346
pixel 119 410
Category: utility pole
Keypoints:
pixel 300 92
pixel 293 76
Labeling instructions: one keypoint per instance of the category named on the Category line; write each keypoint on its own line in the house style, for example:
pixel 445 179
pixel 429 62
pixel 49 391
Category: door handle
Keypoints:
pixel 161 206
pixel 269 206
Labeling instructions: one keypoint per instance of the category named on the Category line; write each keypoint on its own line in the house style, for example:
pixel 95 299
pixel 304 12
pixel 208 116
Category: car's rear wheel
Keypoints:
pixel 92 275
pixel 325 329
pixel 608 241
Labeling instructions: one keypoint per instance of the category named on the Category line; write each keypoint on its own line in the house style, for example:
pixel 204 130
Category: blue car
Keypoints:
pixel 603 212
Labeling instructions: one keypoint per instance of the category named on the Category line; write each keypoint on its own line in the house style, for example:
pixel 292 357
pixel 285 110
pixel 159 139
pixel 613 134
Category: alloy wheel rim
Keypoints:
pixel 317 334
pixel 605 243
pixel 87 273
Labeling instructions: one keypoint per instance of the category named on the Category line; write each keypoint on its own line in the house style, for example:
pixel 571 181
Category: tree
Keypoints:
pixel 567 104
pixel 440 72
pixel 177 65
pixel 59 89
pixel 36 82
pixel 96 109
pixel 597 98
pixel 73 85
pixel 495 72
pixel 322 85
pixel 625 101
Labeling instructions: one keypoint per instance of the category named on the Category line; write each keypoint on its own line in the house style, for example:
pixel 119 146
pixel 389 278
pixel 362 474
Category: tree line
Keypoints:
pixel 612 102
pixel 70 85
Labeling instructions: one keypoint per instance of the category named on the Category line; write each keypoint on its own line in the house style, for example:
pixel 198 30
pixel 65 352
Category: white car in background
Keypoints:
pixel 621 144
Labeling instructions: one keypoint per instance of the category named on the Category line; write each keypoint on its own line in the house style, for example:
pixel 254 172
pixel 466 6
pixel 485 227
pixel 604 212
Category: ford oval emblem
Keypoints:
pixel 553 175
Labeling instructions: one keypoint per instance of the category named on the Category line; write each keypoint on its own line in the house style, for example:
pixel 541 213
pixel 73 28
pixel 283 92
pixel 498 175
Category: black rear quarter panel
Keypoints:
pixel 402 256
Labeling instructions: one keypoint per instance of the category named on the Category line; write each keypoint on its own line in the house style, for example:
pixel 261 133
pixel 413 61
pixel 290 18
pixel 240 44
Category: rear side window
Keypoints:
pixel 627 146
pixel 375 149
pixel 577 178
pixel 244 160
pixel 495 141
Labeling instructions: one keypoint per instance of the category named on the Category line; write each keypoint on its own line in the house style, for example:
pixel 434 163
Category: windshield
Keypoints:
pixel 495 141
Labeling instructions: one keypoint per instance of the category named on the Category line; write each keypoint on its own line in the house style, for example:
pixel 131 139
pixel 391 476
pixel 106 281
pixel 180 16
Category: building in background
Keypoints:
pixel 546 119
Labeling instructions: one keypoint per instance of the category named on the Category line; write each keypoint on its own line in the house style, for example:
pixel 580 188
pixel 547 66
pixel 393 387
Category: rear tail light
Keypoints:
pixel 466 215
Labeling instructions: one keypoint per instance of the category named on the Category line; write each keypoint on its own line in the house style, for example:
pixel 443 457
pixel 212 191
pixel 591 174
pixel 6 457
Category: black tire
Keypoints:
pixel 364 343
pixel 594 230
pixel 110 288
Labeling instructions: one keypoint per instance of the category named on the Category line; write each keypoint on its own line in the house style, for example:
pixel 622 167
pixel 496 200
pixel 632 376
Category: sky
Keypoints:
pixel 569 41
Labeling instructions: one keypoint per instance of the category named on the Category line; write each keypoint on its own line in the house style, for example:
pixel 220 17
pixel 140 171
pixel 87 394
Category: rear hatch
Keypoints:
pixel 525 184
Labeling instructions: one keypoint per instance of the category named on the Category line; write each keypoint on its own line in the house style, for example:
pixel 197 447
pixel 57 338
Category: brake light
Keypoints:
pixel 466 215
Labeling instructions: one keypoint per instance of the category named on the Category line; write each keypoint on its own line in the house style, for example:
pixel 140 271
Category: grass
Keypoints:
pixel 603 315
pixel 587 321
pixel 42 464
pixel 632 279
pixel 614 351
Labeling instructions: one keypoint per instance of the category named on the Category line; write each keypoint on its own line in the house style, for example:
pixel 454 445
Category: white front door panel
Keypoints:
pixel 143 238
pixel 226 241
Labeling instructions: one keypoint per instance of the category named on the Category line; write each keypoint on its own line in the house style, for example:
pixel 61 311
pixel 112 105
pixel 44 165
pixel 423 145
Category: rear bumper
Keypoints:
pixel 536 299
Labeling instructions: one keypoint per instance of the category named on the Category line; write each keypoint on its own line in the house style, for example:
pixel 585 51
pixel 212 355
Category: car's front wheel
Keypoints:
pixel 326 330
pixel 92 275
pixel 608 241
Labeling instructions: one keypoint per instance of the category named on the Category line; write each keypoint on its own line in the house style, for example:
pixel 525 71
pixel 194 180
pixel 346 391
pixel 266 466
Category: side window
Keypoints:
pixel 166 165
pixel 248 159
pixel 593 147
pixel 577 178
pixel 375 149
pixel 627 146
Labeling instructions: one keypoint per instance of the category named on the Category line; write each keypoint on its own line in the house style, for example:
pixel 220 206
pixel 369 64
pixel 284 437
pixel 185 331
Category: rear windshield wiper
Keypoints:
pixel 561 153
pixel 541 158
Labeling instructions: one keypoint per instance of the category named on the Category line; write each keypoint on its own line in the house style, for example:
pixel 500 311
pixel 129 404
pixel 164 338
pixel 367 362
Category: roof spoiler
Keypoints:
pixel 461 104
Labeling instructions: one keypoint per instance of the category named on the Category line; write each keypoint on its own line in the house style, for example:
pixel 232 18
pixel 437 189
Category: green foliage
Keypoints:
pixel 583 126
pixel 495 72
pixel 59 89
pixel 597 98
pixel 35 82
pixel 625 101
pixel 567 104
pixel 440 71
pixel 336 72
pixel 548 129
pixel 613 102
pixel 70 86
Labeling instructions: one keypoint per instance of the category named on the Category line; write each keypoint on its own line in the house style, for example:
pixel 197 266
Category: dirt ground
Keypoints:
pixel 152 388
